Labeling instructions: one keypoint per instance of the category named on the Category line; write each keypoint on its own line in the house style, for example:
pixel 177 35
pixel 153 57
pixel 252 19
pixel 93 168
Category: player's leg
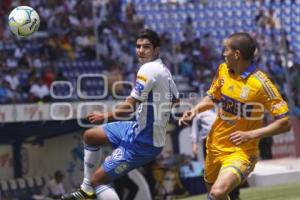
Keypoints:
pixel 235 169
pixel 211 171
pixel 235 193
pixel 111 133
pixel 101 182
pixel 93 139
pixel 122 160
pixel 225 182
pixel 129 155
pixel 208 187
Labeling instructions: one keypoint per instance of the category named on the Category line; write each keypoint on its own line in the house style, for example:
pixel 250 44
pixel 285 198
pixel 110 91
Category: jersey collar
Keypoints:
pixel 157 60
pixel 249 70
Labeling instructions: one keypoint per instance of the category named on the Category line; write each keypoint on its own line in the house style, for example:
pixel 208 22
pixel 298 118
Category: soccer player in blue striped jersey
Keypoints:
pixel 135 142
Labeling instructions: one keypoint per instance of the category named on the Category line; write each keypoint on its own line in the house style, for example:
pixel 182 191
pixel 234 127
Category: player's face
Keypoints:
pixel 229 55
pixel 145 51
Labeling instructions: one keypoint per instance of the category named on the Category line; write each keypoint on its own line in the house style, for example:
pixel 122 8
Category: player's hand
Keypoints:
pixel 96 117
pixel 187 117
pixel 240 137
pixel 195 149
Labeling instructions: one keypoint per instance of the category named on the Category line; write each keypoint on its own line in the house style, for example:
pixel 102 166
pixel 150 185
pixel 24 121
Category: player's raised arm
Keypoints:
pixel 122 110
pixel 208 102
pixel 205 104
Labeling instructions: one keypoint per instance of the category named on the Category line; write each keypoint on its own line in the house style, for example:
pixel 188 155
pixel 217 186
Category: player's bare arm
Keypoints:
pixel 124 109
pixel 277 127
pixel 195 148
pixel 176 103
pixel 205 104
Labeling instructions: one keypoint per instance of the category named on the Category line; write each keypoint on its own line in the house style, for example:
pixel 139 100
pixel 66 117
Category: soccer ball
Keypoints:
pixel 23 21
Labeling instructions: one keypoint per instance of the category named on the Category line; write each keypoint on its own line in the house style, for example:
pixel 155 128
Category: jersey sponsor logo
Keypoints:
pixel 108 160
pixel 279 105
pixel 118 154
pixel 121 168
pixel 142 78
pixel 89 165
pixel 139 87
pixel 235 107
pixel 244 92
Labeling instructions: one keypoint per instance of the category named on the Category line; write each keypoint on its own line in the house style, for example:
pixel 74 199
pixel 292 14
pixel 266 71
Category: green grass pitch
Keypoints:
pixel 289 191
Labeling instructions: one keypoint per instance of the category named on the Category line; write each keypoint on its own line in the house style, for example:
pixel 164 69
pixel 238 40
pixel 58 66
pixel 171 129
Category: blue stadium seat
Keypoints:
pixel 4 189
pixel 14 189
pixel 24 191
pixel 45 179
pixel 38 184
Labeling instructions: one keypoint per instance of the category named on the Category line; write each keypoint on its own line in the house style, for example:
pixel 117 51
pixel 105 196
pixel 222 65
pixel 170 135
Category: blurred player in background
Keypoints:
pixel 135 142
pixel 201 127
pixel 243 91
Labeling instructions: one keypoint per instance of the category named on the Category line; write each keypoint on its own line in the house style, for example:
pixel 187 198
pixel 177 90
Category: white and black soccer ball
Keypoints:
pixel 23 21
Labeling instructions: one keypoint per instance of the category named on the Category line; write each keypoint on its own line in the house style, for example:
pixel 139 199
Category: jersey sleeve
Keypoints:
pixel 174 90
pixel 271 98
pixel 195 130
pixel 144 83
pixel 214 91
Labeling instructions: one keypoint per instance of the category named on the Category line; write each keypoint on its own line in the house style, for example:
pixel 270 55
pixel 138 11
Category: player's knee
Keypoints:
pixel 218 193
pixel 99 178
pixel 91 137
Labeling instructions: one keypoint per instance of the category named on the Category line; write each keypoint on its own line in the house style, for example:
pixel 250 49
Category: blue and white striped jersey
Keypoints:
pixel 156 90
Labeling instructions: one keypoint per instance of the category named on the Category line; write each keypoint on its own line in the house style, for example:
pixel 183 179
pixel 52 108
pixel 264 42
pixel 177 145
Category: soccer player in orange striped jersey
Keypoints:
pixel 244 92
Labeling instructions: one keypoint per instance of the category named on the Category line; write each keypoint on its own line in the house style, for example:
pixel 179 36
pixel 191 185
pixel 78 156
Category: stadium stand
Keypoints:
pixel 22 188
pixel 67 51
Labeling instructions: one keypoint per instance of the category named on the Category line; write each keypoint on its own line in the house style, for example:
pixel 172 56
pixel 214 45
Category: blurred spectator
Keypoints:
pixel 37 62
pixel 66 35
pixel 12 78
pixel 130 11
pixel 272 20
pixel 55 187
pixel 261 19
pixel 115 75
pixel 48 76
pixel 188 30
pixel 186 68
pixel 19 51
pixel 39 91
pixel 11 62
pixel 6 94
pixel 208 48
pixel 66 45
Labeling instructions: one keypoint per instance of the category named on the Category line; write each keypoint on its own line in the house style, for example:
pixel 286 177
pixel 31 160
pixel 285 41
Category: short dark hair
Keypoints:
pixel 58 174
pixel 151 35
pixel 244 43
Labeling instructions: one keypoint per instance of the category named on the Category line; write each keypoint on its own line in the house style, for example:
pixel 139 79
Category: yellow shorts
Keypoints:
pixel 238 163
